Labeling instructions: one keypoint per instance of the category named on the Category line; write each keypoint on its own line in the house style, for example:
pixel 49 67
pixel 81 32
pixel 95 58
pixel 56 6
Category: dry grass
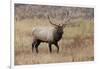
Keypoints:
pixel 76 44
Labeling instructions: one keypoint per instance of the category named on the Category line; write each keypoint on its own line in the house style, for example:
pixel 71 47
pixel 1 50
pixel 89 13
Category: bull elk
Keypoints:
pixel 48 35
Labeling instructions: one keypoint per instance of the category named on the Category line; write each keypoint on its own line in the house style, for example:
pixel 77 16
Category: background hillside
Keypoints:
pixel 23 11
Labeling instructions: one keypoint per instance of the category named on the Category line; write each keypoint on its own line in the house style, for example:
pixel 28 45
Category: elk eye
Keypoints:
pixel 59 24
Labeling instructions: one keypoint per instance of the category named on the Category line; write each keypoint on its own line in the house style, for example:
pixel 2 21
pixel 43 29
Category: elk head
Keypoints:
pixel 61 26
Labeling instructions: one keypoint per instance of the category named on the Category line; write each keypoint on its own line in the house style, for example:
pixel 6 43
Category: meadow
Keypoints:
pixel 76 45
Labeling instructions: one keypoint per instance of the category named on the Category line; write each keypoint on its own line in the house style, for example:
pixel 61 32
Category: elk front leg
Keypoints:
pixel 56 44
pixel 50 49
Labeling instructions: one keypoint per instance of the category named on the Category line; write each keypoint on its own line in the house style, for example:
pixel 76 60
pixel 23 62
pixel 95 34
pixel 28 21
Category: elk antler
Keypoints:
pixel 51 21
pixel 68 19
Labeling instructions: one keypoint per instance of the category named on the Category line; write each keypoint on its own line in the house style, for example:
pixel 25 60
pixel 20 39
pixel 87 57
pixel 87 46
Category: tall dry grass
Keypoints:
pixel 76 44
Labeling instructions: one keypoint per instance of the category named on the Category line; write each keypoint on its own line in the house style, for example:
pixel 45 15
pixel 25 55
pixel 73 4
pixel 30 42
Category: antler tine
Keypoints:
pixel 51 21
pixel 68 19
pixel 68 16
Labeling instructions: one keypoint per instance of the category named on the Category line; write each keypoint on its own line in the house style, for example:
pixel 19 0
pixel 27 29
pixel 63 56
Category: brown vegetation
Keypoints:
pixel 73 46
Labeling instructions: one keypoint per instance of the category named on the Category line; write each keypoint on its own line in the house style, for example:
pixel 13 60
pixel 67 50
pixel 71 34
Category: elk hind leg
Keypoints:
pixel 33 44
pixel 36 45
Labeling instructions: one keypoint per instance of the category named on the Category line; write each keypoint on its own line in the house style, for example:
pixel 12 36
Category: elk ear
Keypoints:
pixel 64 25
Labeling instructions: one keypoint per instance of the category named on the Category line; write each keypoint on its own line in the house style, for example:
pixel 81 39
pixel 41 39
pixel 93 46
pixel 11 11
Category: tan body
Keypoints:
pixel 43 33
pixel 50 35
